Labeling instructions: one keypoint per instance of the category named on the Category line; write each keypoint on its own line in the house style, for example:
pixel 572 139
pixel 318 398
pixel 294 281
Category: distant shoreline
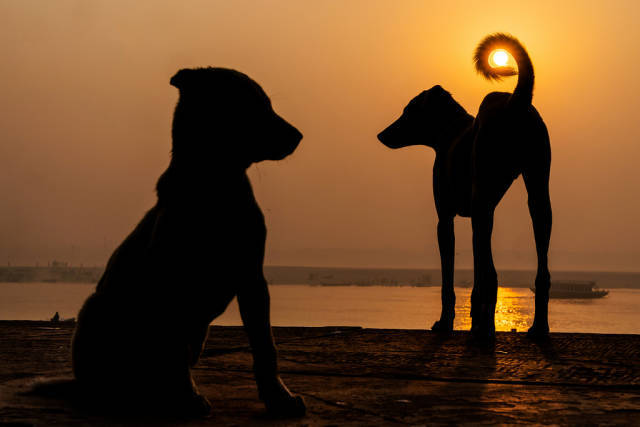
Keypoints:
pixel 336 276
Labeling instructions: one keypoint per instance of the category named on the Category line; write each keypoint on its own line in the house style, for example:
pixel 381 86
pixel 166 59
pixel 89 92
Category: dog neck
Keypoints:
pixel 187 181
pixel 452 132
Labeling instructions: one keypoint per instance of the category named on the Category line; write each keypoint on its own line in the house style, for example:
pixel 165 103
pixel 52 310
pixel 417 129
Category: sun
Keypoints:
pixel 500 57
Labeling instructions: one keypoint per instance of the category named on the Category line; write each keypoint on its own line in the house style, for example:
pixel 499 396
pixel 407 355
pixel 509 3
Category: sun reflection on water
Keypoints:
pixel 514 309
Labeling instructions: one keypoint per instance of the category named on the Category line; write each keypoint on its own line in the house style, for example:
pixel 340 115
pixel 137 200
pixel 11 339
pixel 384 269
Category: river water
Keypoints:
pixel 402 307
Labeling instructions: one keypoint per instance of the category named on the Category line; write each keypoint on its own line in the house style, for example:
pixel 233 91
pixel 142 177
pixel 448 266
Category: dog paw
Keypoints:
pixel 443 326
pixel 538 332
pixel 279 401
pixel 484 331
pixel 292 406
pixel 194 406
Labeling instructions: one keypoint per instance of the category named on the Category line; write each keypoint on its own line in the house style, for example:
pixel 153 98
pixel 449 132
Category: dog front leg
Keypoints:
pixel 446 243
pixel 254 302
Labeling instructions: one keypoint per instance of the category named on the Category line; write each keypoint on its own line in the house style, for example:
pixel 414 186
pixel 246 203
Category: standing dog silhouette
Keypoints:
pixel 200 246
pixel 476 162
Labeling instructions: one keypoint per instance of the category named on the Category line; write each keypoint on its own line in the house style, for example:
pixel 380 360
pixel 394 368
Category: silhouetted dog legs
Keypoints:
pixel 537 183
pixel 253 300
pixel 485 279
pixel 487 193
pixel 181 392
pixel 447 243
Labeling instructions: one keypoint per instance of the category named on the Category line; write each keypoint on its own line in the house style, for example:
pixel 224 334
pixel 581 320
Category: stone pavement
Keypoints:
pixel 353 376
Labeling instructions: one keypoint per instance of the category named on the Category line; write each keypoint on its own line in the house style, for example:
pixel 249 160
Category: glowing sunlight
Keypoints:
pixel 514 309
pixel 499 58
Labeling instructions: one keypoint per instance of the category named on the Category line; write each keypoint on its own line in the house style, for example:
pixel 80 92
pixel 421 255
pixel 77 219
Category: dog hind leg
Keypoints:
pixel 168 376
pixel 486 195
pixel 485 284
pixel 537 184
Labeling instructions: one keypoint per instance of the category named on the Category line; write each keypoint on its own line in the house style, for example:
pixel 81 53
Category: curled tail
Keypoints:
pixel 523 92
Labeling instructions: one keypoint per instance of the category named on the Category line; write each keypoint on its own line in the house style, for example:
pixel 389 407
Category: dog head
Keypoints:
pixel 225 114
pixel 429 119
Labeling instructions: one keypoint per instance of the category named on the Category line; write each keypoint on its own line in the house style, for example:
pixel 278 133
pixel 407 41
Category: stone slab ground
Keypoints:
pixel 353 376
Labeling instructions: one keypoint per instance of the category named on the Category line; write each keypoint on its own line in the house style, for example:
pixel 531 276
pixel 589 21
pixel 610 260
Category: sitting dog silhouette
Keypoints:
pixel 476 162
pixel 200 246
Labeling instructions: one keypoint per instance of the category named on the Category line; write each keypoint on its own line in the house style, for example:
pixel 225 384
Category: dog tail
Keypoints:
pixel 523 92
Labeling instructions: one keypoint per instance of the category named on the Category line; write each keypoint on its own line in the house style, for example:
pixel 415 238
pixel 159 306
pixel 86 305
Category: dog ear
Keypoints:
pixel 439 90
pixel 181 78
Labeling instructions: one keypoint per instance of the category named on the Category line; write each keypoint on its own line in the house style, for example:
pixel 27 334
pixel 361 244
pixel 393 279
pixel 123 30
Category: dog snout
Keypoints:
pixel 293 134
pixel 297 135
pixel 286 138
pixel 289 134
pixel 390 137
pixel 382 137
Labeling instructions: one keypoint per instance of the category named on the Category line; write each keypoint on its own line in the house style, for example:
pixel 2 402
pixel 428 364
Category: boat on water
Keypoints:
pixel 575 289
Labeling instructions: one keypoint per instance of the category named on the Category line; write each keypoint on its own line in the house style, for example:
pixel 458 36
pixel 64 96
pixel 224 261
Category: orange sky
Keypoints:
pixel 86 113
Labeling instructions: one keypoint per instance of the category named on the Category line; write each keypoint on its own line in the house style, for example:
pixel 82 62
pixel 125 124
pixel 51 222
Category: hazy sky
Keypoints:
pixel 86 112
